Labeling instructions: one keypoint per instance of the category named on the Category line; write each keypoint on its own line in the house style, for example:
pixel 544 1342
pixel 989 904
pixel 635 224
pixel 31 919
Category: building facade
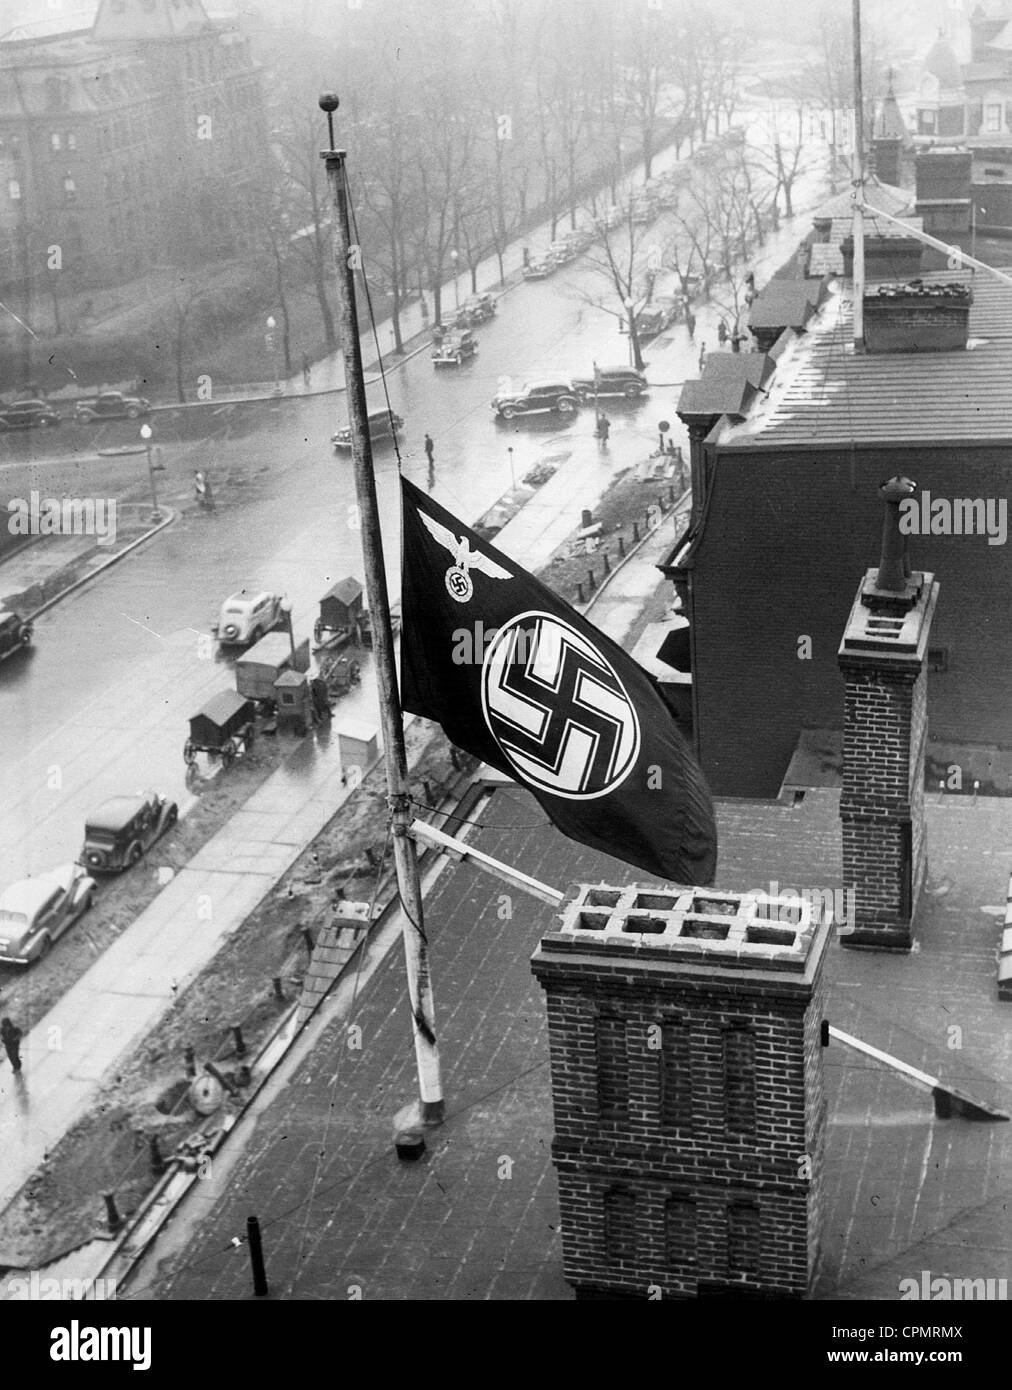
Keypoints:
pixel 130 145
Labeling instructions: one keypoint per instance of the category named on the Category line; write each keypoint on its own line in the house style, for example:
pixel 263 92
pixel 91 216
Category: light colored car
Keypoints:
pixel 245 618
pixel 37 911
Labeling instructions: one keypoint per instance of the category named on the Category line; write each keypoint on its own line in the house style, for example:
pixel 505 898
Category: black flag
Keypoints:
pixel 518 678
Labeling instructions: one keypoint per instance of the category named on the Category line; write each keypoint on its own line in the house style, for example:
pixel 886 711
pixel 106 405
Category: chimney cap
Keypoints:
pixel 896 489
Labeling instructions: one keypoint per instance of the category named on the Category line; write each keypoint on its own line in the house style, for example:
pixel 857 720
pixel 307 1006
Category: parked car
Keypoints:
pixel 27 415
pixel 478 308
pixel 111 405
pixel 654 317
pixel 15 634
pixel 561 252
pixel 537 398
pixel 454 348
pixel 382 425
pixel 123 828
pixel 37 911
pixel 642 209
pixel 539 268
pixel 611 381
pixel 245 618
pixel 608 219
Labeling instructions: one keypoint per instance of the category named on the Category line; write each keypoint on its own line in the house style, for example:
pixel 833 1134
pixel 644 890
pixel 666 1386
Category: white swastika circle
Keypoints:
pixel 557 709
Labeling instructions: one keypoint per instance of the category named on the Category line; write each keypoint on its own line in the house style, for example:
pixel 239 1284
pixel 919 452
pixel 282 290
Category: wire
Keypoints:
pixel 482 824
pixel 375 333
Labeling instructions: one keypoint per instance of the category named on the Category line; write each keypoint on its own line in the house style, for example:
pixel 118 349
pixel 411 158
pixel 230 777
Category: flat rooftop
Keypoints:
pixel 823 393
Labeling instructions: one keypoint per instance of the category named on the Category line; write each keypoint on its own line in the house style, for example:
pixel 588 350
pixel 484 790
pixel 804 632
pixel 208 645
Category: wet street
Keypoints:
pixel 102 703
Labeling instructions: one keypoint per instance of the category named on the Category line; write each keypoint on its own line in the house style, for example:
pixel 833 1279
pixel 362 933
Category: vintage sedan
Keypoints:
pixel 382 426
pixel 454 348
pixel 111 405
pixel 477 308
pixel 15 634
pixel 537 398
pixel 118 833
pixel 28 415
pixel 37 911
pixel 539 268
pixel 246 617
pixel 611 381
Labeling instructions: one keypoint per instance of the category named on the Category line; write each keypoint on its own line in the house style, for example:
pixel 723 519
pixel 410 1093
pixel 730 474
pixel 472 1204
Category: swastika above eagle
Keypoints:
pixel 463 556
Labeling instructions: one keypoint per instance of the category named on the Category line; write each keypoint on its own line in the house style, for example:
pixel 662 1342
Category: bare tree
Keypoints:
pixel 623 266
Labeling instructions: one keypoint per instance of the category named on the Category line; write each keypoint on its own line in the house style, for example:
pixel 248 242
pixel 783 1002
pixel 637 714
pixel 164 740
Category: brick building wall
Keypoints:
pixel 785 533
pixel 688 1093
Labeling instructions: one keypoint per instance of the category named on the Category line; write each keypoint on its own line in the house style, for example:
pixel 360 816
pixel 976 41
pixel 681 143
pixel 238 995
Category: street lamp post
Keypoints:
pixel 146 437
pixel 513 476
pixel 272 348
pixel 454 258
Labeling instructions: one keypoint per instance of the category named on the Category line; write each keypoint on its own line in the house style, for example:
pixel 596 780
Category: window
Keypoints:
pixel 938 658
pixel 54 141
pixel 620 1224
pixel 71 140
pixel 992 118
pixel 612 1068
pixel 14 189
pixel 675 1077
pixel 742 1238
pixel 69 188
pixel 739 1081
pixel 680 1232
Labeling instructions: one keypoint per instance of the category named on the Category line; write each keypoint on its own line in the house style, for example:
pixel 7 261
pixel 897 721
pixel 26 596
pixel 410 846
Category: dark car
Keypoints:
pixel 654 317
pixel 119 832
pixel 454 348
pixel 15 634
pixel 478 308
pixel 27 415
pixel 536 398
pixel 381 426
pixel 611 381
pixel 111 405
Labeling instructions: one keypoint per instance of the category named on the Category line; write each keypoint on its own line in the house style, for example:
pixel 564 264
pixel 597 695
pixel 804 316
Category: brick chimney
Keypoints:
pixel 687 1081
pixel 883 660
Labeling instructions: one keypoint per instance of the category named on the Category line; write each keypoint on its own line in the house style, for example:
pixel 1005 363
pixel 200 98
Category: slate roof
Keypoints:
pixel 843 227
pixel 942 63
pixel 823 394
pixel 786 304
pixel 884 196
pixel 728 385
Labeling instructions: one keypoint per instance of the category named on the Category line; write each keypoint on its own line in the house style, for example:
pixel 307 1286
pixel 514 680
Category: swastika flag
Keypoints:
pixel 519 679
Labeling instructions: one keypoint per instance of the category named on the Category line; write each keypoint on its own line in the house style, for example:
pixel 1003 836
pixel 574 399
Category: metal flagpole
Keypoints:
pixel 416 952
pixel 858 184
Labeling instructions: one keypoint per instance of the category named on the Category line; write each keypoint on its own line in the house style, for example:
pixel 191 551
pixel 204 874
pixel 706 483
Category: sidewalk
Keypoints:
pixel 128 990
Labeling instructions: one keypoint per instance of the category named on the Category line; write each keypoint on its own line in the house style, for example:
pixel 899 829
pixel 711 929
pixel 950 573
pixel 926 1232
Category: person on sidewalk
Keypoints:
pixel 690 323
pixel 702 356
pixel 430 450
pixel 10 1036
pixel 722 332
pixel 603 429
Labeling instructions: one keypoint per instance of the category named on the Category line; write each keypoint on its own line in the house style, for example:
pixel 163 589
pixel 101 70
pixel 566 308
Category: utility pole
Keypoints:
pixel 416 950
pixel 858 182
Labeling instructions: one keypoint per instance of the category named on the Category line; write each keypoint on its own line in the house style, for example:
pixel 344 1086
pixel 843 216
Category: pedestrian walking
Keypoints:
pixel 10 1036
pixel 702 356
pixel 603 428
pixel 690 321
pixel 429 450
pixel 722 332
pixel 307 371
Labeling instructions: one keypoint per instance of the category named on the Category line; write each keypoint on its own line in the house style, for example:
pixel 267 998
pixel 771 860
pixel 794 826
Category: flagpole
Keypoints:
pixel 416 954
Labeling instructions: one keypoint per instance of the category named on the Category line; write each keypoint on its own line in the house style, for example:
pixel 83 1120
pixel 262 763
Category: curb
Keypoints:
pixel 112 560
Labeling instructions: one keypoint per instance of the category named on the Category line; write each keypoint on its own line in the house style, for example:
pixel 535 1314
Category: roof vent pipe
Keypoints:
pixel 894 564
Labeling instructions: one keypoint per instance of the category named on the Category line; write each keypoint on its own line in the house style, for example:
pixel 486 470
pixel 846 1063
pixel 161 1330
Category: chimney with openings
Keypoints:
pixel 687 1081
pixel 883 660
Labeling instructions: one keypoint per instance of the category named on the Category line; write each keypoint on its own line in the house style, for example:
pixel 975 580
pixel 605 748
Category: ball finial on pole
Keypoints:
pixel 329 102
